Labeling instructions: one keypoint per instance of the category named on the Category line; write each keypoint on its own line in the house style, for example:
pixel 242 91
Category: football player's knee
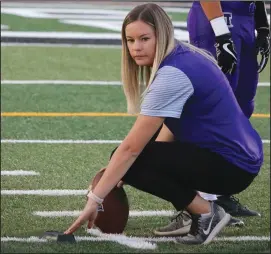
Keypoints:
pixel 113 152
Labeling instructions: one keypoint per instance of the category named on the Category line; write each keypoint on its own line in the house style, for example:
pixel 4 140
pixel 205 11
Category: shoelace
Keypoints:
pixel 196 225
pixel 238 204
pixel 179 216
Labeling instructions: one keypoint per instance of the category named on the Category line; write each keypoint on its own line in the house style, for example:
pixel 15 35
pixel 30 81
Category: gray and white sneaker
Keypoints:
pixel 234 222
pixel 180 225
pixel 205 228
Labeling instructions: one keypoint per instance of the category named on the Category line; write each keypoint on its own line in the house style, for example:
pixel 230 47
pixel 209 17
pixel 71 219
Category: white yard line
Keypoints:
pixel 26 12
pixel 75 82
pixel 31 239
pixel 18 173
pixel 61 141
pixel 59 82
pixel 90 17
pixel 45 192
pixel 76 213
pixel 57 45
pixel 224 239
pixel 67 141
pixel 114 26
pixel 61 35
pixel 243 238
pixel 179 34
pixel 150 213
pixel 4 27
pixel 151 239
pixel 123 239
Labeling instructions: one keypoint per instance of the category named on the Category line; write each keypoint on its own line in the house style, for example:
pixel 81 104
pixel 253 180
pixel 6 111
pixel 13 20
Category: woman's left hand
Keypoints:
pixel 89 213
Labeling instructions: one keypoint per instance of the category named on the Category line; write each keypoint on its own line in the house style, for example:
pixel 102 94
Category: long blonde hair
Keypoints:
pixel 136 78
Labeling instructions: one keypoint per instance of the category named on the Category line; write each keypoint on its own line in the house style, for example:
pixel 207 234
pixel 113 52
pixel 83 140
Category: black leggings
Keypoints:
pixel 175 171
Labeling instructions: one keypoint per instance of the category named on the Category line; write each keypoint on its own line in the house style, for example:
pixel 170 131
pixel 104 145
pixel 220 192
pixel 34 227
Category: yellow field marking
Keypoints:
pixel 89 114
pixel 261 115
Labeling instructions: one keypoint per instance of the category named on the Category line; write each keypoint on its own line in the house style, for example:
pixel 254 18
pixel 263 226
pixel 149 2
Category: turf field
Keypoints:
pixel 19 23
pixel 71 166
pixel 56 136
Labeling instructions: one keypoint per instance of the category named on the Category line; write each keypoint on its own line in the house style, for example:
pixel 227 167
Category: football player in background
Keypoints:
pixel 227 30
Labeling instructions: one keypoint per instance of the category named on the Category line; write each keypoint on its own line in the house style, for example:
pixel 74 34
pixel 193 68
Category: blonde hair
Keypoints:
pixel 136 78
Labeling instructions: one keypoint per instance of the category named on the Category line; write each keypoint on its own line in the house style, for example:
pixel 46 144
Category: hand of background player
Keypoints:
pixel 225 52
pixel 263 47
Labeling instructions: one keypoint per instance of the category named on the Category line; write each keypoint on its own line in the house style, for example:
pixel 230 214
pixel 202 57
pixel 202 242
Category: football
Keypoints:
pixel 114 217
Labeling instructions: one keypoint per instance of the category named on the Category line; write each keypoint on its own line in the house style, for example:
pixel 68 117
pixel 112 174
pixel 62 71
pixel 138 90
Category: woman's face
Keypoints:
pixel 141 42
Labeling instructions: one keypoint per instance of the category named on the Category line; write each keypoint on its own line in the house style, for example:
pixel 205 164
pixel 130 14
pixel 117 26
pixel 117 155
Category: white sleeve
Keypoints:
pixel 167 94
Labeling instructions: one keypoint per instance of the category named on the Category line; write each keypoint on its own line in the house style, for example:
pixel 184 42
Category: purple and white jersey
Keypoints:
pixel 200 108
pixel 246 8
pixel 242 8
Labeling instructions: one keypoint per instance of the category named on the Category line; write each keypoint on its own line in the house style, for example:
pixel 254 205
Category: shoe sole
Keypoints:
pixel 218 228
pixel 179 232
pixel 245 215
pixel 237 224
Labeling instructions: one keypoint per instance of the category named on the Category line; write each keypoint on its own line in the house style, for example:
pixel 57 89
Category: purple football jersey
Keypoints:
pixel 240 20
pixel 239 7
pixel 211 117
